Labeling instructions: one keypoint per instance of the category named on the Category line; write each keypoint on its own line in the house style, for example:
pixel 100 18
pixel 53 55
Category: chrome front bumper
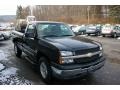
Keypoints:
pixel 73 73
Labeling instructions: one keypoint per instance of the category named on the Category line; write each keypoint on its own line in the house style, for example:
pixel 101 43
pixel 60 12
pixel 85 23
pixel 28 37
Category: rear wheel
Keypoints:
pixel 114 35
pixel 98 34
pixel 45 70
pixel 82 33
pixel 5 38
pixel 17 51
pixel 103 35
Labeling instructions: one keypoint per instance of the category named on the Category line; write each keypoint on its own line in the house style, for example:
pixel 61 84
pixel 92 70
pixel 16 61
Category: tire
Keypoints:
pixel 103 35
pixel 5 38
pixel 82 33
pixel 98 34
pixel 114 35
pixel 88 34
pixel 45 70
pixel 17 51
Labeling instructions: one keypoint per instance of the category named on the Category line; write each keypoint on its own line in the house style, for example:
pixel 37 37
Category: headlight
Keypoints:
pixel 65 54
pixel 66 61
pixel 100 46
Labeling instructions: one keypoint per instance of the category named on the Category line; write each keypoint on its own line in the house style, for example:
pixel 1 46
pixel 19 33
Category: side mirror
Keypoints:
pixel 71 28
pixel 30 35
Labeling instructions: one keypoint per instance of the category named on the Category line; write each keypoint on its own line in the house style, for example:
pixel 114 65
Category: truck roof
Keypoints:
pixel 34 22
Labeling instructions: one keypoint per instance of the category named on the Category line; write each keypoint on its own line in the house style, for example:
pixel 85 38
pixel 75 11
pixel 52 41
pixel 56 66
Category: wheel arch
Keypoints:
pixel 42 55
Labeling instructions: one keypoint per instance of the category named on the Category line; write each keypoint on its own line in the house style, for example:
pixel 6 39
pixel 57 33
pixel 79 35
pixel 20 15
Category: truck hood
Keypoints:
pixel 72 43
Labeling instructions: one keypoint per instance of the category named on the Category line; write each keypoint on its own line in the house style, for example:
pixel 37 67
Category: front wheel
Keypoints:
pixel 45 70
pixel 17 51
pixel 88 34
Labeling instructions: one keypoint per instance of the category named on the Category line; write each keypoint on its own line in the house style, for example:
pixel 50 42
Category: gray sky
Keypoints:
pixel 8 7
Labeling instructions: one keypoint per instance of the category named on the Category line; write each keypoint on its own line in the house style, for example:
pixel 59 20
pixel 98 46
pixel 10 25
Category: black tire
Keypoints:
pixel 114 35
pixel 5 38
pixel 46 75
pixel 103 35
pixel 98 34
pixel 17 51
pixel 88 34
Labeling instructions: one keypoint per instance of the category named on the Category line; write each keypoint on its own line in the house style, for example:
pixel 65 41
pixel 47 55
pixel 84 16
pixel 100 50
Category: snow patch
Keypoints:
pixel 3 56
pixel 9 77
pixel 1 66
pixel 99 36
pixel 83 35
pixel 118 38
pixel 9 71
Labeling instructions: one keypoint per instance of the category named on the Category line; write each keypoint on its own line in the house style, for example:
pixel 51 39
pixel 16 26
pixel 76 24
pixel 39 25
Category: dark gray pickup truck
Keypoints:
pixel 57 51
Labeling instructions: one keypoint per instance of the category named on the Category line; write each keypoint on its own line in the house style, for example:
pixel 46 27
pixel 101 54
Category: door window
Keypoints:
pixel 30 31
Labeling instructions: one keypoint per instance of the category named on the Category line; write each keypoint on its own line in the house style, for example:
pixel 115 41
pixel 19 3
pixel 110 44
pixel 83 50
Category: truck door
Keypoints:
pixel 30 43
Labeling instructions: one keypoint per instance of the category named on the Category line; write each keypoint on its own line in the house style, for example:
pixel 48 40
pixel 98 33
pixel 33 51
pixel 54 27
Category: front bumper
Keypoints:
pixel 77 72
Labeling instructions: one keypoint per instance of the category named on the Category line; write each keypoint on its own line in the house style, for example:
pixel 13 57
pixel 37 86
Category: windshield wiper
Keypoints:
pixel 66 35
pixel 50 36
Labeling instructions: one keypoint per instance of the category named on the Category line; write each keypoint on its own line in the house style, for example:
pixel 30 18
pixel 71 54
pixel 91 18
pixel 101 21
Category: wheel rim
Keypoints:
pixel 43 70
pixel 98 34
pixel 115 35
pixel 15 49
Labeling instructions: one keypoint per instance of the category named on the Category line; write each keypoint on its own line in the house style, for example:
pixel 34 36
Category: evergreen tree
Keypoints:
pixel 114 12
pixel 19 12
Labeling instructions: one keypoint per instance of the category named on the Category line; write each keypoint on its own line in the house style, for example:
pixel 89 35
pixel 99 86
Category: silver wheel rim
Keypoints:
pixel 15 49
pixel 43 70
pixel 115 35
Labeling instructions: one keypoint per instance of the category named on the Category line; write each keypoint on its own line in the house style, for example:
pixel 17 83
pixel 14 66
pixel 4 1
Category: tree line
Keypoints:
pixel 72 13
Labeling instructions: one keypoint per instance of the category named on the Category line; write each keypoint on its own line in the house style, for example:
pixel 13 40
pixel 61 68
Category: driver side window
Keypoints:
pixel 30 29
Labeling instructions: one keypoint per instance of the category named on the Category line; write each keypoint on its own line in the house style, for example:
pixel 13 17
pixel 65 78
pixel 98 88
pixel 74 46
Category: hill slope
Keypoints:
pixel 7 18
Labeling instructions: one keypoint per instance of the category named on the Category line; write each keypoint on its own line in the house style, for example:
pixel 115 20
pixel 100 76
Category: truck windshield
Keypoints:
pixel 53 30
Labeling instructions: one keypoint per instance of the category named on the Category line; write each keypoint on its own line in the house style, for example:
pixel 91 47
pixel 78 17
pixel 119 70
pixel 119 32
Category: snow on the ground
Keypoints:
pixel 9 71
pixel 1 66
pixel 118 38
pixel 83 35
pixel 3 56
pixel 9 77
pixel 99 36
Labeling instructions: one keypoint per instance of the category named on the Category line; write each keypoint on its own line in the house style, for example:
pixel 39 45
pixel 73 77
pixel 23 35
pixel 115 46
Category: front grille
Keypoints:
pixel 87 59
pixel 85 51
